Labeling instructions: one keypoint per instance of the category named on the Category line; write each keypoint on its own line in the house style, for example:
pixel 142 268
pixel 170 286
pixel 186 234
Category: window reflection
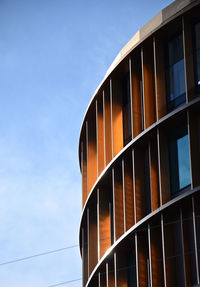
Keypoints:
pixel 175 73
pixel 179 160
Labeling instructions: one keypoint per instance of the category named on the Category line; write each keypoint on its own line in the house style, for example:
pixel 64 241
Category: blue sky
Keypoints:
pixel 53 55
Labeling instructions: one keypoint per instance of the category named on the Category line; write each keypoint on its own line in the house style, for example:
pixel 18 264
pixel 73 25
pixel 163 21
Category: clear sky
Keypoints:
pixel 53 55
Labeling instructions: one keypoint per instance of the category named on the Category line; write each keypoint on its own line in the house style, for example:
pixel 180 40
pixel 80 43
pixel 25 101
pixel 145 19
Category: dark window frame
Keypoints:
pixel 194 23
pixel 178 100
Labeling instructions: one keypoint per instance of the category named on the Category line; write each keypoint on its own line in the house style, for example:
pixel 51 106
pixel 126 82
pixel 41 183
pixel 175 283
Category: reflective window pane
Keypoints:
pixel 179 159
pixel 175 73
pixel 183 161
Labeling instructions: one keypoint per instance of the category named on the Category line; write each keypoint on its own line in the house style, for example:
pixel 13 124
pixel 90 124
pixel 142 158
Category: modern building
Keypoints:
pixel 139 155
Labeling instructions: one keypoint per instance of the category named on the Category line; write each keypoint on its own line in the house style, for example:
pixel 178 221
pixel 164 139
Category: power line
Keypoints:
pixel 66 282
pixel 38 255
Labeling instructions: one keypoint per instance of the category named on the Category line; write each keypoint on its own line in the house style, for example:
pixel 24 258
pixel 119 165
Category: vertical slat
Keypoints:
pixel 113 196
pixel 139 183
pixel 156 258
pixel 163 159
pixel 142 248
pixel 111 273
pixel 100 135
pixel 107 277
pixel 118 201
pixel 143 99
pixel 155 196
pixel 84 257
pixel 159 61
pixel 124 196
pixel 87 143
pixel 97 136
pixel 134 186
pixel 98 226
pixel 102 280
pixel 104 127
pixel 128 191
pixel 148 83
pixel 115 268
pixel 136 259
pixel 92 238
pixel 104 222
pixel 92 150
pixel 88 243
pixel 163 250
pixel 131 93
pixel 150 258
pixel 107 125
pixel 111 115
pixel 84 171
pixel 116 112
pixel 136 96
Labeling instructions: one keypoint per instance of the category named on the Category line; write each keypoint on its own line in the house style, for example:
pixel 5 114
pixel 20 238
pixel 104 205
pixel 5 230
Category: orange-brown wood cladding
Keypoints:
pixel 136 95
pixel 107 126
pixel 164 166
pixel 128 186
pixel 118 201
pixel 92 238
pixel 117 118
pixel 84 171
pixel 104 222
pixel 154 174
pixel 156 255
pixel 189 244
pixel 142 248
pixel 161 107
pixel 100 136
pixel 148 84
pixel 194 127
pixel 139 183
pixel 92 153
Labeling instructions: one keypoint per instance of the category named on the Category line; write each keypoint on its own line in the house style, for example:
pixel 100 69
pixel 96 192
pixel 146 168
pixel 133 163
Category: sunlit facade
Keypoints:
pixel 139 154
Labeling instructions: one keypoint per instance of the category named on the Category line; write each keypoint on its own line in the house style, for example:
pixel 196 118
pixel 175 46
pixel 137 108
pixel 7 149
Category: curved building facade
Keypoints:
pixel 139 154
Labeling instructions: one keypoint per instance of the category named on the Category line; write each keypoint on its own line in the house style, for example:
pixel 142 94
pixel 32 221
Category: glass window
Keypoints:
pixel 179 160
pixel 175 73
pixel 126 109
pixel 197 55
